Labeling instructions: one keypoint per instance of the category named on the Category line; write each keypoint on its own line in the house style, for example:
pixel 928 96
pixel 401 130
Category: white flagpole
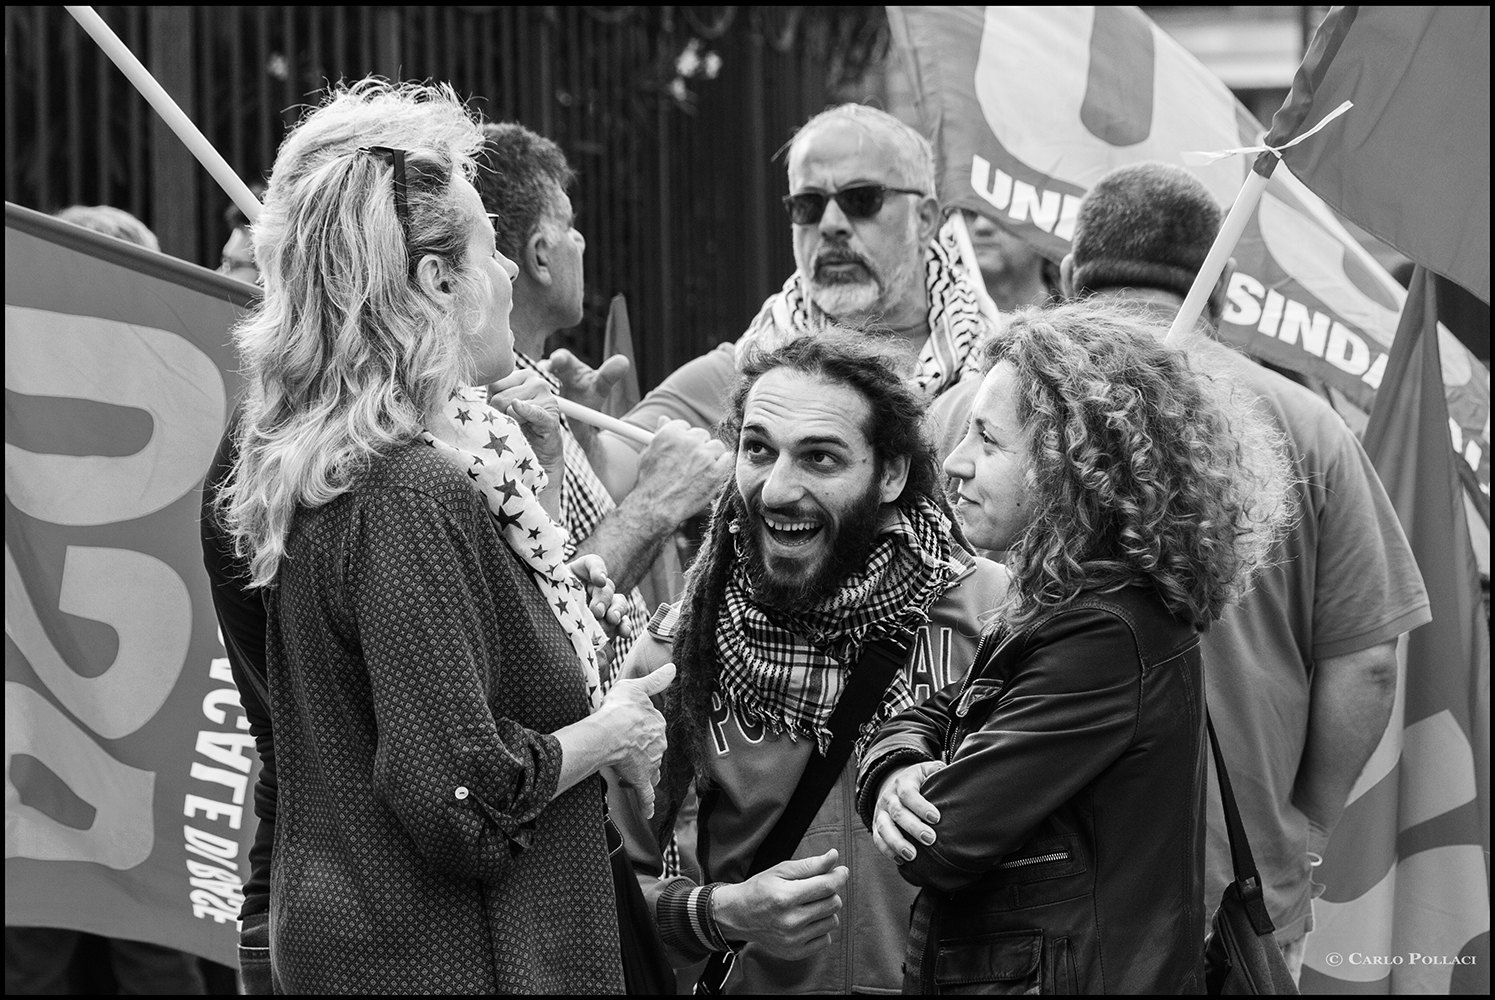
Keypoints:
pixel 168 109
pixel 216 165
pixel 1225 241
pixel 1235 223
pixel 603 422
pixel 973 270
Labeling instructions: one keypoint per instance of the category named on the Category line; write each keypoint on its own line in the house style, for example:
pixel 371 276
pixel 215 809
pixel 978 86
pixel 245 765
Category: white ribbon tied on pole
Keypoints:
pixel 1198 159
pixel 1234 225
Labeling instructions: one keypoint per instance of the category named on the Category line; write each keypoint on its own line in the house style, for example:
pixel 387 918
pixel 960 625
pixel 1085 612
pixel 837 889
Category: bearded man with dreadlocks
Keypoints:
pixel 833 538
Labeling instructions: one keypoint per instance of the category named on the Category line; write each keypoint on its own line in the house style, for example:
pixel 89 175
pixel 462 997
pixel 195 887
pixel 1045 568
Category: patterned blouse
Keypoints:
pixel 415 679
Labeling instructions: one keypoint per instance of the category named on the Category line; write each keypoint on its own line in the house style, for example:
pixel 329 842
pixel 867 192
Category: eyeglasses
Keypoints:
pixel 493 218
pixel 397 161
pixel 860 202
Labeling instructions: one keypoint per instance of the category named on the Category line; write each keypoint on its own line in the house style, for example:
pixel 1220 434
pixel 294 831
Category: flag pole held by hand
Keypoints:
pixel 604 422
pixel 973 270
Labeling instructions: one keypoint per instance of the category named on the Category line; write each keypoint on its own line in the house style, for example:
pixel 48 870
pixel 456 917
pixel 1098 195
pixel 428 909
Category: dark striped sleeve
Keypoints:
pixel 686 922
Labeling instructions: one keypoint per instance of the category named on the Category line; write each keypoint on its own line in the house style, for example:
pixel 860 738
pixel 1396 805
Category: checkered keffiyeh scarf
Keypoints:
pixel 786 669
pixel 502 467
pixel 956 326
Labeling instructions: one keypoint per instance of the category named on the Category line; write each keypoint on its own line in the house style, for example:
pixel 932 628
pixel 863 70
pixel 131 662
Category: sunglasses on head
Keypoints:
pixel 396 159
pixel 860 202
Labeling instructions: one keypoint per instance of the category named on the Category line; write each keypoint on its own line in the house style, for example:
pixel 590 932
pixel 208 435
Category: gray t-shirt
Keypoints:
pixel 696 392
pixel 1344 580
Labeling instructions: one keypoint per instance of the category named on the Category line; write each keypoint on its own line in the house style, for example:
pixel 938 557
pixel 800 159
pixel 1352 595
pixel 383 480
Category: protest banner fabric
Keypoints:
pixel 618 339
pixel 1028 106
pixel 129 770
pixel 1406 907
pixel 1412 164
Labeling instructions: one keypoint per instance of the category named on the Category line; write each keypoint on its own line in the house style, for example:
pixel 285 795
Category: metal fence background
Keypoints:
pixel 677 192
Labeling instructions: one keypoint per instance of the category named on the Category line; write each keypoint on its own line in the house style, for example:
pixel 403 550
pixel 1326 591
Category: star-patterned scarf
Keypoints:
pixel 787 668
pixel 502 467
pixel 956 326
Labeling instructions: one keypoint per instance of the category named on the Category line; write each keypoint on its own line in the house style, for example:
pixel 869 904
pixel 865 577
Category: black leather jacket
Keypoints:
pixel 1069 854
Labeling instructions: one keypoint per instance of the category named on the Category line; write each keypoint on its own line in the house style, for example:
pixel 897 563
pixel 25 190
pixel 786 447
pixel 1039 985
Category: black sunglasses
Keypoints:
pixel 397 161
pixel 860 202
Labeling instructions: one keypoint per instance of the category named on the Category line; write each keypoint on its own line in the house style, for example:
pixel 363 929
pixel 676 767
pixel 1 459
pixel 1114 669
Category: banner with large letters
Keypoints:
pixel 128 766
pixel 1029 106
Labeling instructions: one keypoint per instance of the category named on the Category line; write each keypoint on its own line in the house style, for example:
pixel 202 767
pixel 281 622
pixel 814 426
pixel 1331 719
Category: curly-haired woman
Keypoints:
pixel 435 706
pixel 1051 806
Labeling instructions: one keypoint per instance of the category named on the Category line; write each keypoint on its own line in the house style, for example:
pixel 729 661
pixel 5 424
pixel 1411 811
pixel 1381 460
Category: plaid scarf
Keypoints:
pixel 956 326
pixel 502 467
pixel 786 669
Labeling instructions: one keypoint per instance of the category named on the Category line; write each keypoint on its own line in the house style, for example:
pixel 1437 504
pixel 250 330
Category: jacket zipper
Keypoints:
pixel 1036 860
pixel 949 746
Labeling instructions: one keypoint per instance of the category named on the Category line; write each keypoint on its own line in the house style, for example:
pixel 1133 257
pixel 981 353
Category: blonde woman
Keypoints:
pixel 438 725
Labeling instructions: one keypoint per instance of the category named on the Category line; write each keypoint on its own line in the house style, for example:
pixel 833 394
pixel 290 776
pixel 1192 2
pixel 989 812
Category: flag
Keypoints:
pixel 618 339
pixel 1407 907
pixel 1028 106
pixel 1411 163
pixel 128 768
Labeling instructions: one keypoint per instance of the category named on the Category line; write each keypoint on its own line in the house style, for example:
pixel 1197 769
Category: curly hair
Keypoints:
pixel 345 355
pixel 1144 468
pixel 895 428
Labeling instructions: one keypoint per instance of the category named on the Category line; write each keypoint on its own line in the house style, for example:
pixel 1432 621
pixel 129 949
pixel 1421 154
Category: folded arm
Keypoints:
pixel 1067 711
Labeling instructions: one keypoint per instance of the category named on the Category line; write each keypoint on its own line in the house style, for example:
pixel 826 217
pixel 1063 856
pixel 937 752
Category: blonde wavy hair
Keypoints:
pixel 346 355
pixel 1146 467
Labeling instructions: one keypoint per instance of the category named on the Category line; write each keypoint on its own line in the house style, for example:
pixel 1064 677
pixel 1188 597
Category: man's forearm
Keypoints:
pixel 628 540
pixel 1350 704
pixel 616 462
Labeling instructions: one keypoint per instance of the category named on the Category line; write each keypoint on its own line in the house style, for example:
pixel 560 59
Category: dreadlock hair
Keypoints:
pixel 895 428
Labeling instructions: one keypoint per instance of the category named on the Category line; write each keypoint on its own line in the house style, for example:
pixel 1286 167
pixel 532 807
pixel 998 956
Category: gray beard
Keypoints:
pixel 845 300
pixel 865 300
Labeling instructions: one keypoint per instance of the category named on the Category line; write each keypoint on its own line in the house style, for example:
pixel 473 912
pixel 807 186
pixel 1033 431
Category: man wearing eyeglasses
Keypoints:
pixel 868 253
pixel 523 179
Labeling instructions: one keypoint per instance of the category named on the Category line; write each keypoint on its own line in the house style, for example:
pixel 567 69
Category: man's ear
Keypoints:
pixel 894 478
pixel 930 218
pixel 1067 276
pixel 434 277
pixel 1217 296
pixel 536 254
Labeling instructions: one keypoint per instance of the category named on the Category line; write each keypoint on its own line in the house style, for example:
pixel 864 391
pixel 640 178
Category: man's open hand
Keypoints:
pixel 790 910
pixel 581 383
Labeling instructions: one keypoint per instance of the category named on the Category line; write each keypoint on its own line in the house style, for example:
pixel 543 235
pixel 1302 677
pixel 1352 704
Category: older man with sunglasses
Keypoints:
pixel 866 229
